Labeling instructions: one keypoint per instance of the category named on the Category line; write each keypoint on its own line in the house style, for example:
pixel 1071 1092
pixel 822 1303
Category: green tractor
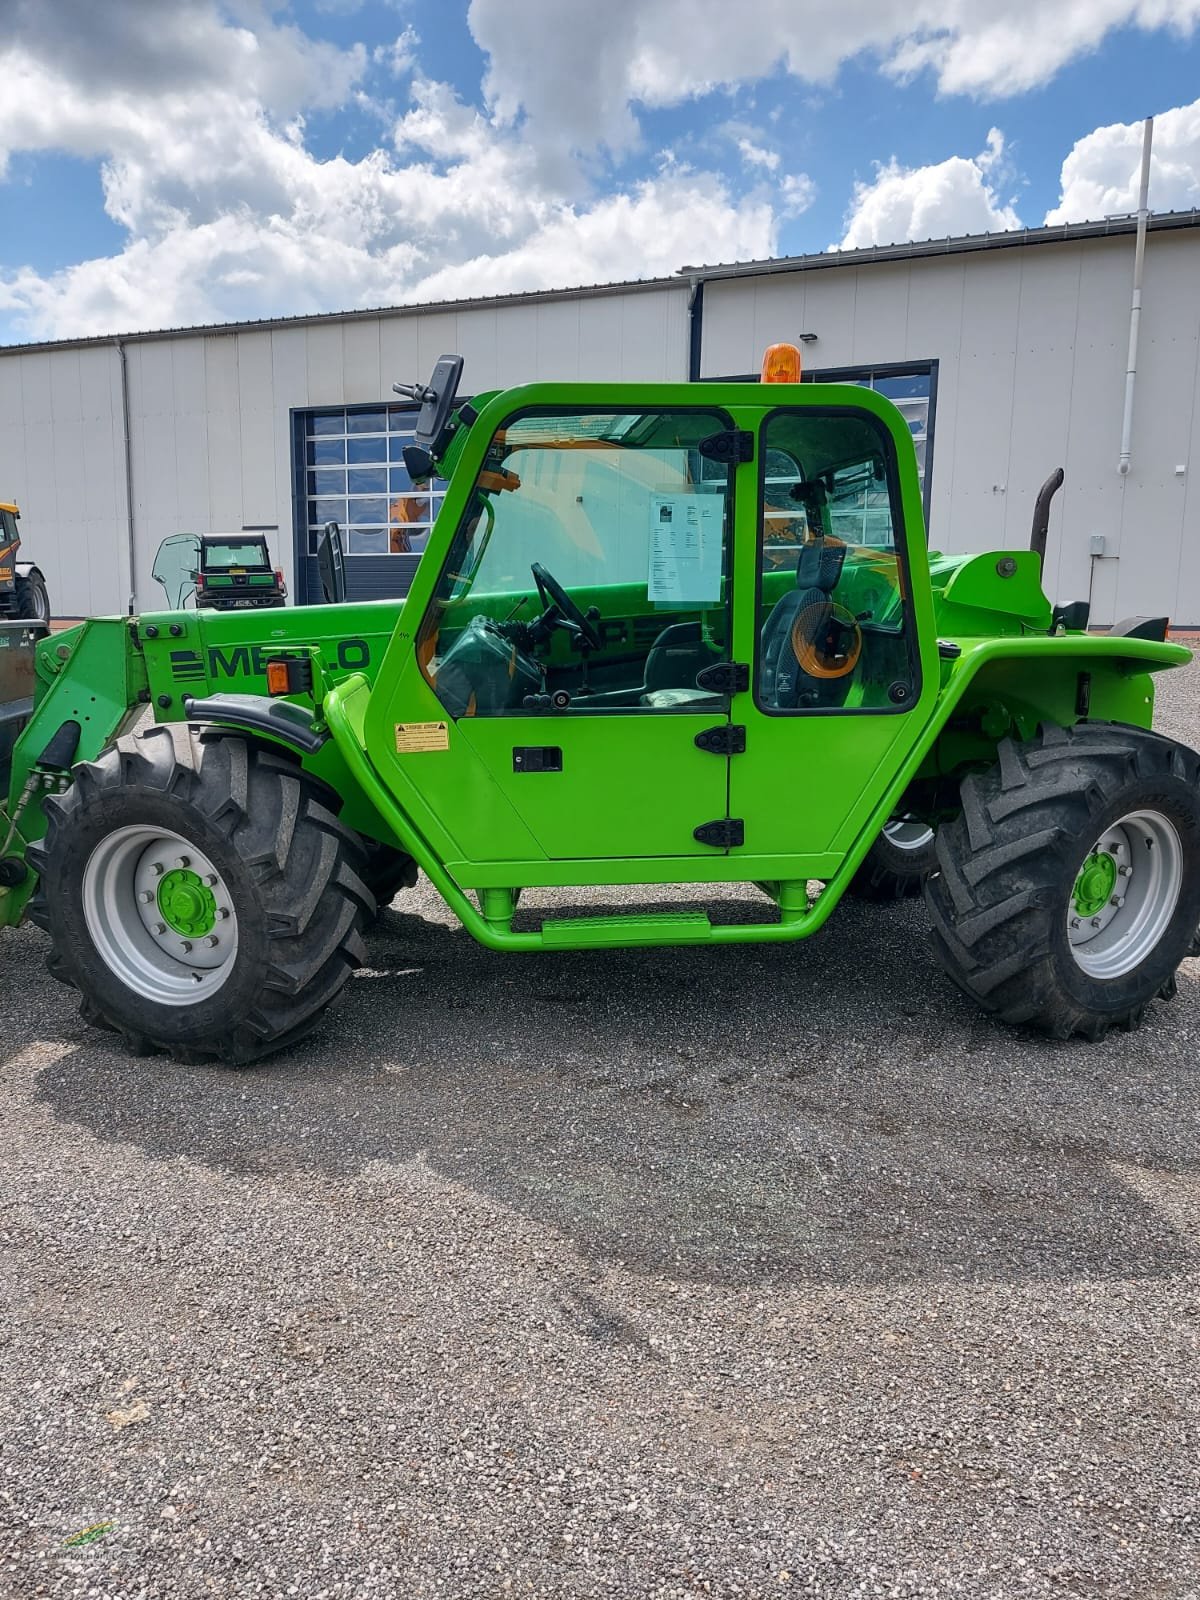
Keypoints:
pixel 661 634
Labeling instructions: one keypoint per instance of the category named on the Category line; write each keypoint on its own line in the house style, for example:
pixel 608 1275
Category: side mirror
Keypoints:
pixel 437 399
pixel 331 564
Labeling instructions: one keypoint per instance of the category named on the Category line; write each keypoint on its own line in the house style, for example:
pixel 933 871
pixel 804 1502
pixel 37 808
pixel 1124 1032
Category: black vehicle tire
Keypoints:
pixel 387 872
pixel 31 598
pixel 898 863
pixel 241 851
pixel 1068 889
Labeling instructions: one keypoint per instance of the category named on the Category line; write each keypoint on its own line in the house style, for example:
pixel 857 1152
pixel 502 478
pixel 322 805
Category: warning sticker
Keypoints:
pixel 412 737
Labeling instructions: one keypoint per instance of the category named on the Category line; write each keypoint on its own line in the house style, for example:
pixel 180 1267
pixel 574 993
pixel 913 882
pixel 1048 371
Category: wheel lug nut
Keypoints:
pixel 1117 900
pixel 146 897
pixel 183 861
pixel 210 878
pixel 160 927
pixel 223 913
pixel 157 869
pixel 212 941
pixel 1074 922
pixel 1124 872
pixel 186 946
pixel 1095 922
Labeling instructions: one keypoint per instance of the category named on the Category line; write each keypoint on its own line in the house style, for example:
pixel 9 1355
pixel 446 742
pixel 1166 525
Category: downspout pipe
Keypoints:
pixel 128 449
pixel 1135 310
pixel 695 319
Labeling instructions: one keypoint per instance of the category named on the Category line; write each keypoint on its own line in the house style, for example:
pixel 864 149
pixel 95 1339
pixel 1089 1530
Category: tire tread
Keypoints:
pixel 1001 866
pixel 316 902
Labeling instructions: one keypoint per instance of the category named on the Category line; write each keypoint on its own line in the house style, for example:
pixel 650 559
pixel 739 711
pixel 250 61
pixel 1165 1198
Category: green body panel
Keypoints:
pixel 812 790
pixel 89 675
pixel 970 593
pixel 225 652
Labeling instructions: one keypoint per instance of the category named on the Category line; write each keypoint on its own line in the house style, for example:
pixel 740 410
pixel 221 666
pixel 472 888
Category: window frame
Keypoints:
pixel 725 423
pixel 904 567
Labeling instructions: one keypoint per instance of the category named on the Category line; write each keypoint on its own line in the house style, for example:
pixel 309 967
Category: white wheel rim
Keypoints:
pixel 906 834
pixel 1146 859
pixel 136 939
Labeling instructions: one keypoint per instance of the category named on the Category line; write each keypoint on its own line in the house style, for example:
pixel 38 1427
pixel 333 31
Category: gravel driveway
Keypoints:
pixel 740 1273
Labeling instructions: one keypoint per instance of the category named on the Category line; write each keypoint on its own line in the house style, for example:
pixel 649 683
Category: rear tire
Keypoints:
pixel 898 863
pixel 1068 889
pixel 387 871
pixel 31 598
pixel 200 894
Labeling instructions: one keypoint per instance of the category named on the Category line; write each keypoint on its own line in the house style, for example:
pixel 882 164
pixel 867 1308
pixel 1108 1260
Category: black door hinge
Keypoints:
pixel 725 677
pixel 731 446
pixel 727 740
pixel 725 833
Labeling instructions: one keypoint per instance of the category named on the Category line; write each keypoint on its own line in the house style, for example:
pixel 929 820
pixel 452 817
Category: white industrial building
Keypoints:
pixel 1006 352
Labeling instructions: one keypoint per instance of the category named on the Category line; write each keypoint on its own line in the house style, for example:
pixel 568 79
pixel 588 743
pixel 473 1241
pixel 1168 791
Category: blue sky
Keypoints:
pixel 236 158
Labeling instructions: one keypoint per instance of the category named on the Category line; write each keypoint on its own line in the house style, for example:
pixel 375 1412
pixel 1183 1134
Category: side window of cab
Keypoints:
pixel 590 571
pixel 835 627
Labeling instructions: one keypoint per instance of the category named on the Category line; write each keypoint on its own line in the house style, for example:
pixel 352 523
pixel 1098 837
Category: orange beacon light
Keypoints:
pixel 781 364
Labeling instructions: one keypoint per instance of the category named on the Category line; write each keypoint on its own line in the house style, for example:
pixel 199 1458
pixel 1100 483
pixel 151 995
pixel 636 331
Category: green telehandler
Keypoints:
pixel 661 634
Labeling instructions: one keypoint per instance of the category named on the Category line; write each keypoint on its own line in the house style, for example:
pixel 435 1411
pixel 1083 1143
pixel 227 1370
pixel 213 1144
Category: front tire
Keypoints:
pixel 200 894
pixel 1068 889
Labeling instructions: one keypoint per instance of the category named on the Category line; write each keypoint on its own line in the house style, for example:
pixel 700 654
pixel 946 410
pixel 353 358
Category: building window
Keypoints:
pixel 355 476
pixel 912 389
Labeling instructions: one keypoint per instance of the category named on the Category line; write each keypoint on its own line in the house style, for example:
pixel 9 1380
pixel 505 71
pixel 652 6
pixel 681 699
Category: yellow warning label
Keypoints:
pixel 412 737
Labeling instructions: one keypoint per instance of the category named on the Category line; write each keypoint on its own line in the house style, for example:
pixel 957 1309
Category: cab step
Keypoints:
pixel 662 927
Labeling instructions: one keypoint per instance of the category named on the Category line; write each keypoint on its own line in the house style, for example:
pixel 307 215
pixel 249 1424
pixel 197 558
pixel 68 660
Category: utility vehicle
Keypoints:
pixel 225 571
pixel 23 592
pixel 662 633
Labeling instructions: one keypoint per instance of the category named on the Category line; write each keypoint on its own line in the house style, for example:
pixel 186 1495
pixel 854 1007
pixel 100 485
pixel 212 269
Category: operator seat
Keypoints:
pixel 785 684
pixel 675 657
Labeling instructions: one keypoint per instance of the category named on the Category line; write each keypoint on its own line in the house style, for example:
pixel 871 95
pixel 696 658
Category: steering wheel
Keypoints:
pixel 556 599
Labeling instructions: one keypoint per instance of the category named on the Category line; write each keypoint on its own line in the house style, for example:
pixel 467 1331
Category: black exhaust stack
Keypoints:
pixel 1041 513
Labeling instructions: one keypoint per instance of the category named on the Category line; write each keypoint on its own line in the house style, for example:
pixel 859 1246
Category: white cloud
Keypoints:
pixel 196 112
pixel 676 217
pixel 400 57
pixel 950 197
pixel 1100 176
pixel 229 215
pixel 756 155
pixel 578 85
pixel 797 192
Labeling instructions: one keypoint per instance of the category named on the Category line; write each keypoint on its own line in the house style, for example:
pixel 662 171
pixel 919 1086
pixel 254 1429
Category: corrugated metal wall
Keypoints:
pixel 1031 347
pixel 1030 343
pixel 211 418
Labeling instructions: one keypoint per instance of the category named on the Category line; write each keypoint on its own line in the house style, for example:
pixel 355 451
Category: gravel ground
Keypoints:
pixel 738 1273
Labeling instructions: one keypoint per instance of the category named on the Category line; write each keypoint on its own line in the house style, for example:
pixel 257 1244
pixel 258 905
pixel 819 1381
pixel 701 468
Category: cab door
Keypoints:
pixel 838 689
pixel 572 725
